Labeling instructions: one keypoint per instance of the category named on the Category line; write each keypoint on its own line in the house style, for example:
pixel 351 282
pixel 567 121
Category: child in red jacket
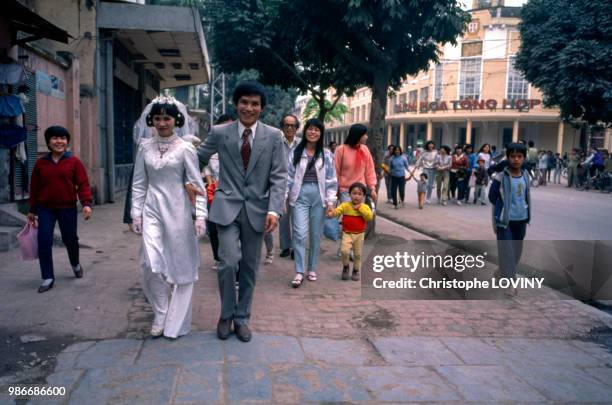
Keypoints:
pixel 58 180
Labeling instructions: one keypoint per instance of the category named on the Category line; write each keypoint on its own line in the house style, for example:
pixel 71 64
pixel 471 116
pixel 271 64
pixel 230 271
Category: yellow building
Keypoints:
pixel 474 95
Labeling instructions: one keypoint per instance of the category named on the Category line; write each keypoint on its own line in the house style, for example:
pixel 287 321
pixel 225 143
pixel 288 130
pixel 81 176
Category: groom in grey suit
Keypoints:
pixel 248 201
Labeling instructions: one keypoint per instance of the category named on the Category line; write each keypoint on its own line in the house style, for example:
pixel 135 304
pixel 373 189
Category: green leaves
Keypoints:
pixel 565 52
pixel 331 111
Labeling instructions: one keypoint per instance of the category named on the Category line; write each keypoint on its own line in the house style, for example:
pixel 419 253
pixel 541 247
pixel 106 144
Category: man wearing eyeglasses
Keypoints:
pixel 289 125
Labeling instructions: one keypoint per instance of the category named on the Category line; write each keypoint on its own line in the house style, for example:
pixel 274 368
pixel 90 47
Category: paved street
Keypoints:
pixel 558 213
pixel 319 343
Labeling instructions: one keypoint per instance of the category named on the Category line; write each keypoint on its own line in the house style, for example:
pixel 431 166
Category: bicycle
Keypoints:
pixel 535 176
pixel 584 182
pixel 603 182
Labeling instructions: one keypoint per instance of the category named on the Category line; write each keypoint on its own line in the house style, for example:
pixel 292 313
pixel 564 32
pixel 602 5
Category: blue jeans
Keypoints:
pixel 307 217
pixel 431 175
pixel 67 219
pixel 388 185
pixel 461 187
pixel 510 246
pixel 397 183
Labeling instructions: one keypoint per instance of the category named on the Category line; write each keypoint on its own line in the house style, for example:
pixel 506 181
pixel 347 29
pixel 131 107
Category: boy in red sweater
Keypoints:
pixel 58 179
pixel 355 214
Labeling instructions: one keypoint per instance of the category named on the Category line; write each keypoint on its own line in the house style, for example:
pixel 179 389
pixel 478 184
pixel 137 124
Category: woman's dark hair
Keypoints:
pixel 282 121
pixel 446 148
pixel 396 148
pixel 466 146
pixel 429 143
pixel 250 88
pixel 297 153
pixel 57 131
pixel 355 133
pixel 483 146
pixel 516 148
pixel 332 143
pixel 360 186
pixel 458 147
pixel 167 109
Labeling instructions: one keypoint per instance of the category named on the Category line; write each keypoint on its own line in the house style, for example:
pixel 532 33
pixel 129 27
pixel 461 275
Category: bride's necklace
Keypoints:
pixel 163 149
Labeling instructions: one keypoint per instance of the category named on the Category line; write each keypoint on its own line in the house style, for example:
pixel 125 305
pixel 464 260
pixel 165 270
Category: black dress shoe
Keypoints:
pixel 224 328
pixel 45 288
pixel 78 273
pixel 292 255
pixel 285 252
pixel 243 333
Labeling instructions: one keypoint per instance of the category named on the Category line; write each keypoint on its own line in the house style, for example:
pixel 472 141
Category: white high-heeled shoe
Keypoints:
pixel 157 330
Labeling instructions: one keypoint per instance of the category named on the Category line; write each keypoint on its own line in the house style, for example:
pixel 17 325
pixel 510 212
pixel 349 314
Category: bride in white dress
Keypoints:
pixel 162 212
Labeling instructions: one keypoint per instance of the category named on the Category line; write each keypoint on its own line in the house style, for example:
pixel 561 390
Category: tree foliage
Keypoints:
pixel 379 42
pixel 334 111
pixel 566 49
pixel 280 101
pixel 264 35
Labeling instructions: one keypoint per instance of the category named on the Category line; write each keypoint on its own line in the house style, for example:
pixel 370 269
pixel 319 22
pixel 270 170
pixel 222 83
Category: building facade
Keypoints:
pixel 473 95
pixel 121 55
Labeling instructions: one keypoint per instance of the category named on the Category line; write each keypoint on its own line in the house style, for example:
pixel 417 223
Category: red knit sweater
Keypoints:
pixel 57 185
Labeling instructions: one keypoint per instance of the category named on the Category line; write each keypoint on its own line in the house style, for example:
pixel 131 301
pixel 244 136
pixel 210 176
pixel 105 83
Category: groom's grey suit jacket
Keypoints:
pixel 261 188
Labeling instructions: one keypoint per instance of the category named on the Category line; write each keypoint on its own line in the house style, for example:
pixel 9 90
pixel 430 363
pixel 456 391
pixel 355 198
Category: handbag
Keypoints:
pixel 331 229
pixel 472 182
pixel 28 242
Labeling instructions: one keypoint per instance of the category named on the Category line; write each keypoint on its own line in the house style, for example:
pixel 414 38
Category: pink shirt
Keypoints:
pixel 354 165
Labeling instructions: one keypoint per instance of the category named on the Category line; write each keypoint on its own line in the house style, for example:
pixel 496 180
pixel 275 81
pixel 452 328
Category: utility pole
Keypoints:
pixel 217 95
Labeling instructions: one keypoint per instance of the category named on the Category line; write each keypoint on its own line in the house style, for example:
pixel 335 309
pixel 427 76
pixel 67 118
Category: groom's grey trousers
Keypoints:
pixel 239 244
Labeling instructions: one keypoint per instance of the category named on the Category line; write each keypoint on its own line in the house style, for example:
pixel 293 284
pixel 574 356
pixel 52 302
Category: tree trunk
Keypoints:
pixel 322 109
pixel 376 132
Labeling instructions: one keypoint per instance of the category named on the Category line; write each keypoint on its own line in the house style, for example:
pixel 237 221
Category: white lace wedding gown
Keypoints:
pixel 170 255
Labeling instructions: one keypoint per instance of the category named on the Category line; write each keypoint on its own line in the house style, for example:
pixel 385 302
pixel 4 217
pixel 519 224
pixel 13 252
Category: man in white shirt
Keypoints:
pixel 289 125
pixel 248 201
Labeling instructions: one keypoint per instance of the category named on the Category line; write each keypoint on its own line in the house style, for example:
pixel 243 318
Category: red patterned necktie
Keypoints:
pixel 245 150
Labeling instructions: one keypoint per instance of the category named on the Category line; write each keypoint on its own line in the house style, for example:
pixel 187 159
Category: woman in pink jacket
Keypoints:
pixel 354 163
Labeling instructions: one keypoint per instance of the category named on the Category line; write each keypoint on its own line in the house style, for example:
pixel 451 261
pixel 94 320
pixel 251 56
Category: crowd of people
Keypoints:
pixel 248 178
pixel 458 174
pixel 455 174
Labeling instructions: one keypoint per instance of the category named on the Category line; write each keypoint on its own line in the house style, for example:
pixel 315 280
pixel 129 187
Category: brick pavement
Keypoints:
pixel 333 308
pixel 108 303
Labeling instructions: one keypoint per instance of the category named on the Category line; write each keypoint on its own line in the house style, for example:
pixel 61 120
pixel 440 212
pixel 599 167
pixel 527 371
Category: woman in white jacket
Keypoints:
pixel 311 190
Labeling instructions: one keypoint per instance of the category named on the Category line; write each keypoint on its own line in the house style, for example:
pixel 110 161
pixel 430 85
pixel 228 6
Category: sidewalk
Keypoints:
pixel 201 369
pixel 319 343
pixel 558 213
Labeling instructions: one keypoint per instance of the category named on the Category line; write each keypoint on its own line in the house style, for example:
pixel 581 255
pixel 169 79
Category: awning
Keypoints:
pixel 168 40
pixel 27 21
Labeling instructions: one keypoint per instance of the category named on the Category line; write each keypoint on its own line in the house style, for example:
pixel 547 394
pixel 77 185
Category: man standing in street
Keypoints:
pixel 332 148
pixel 532 158
pixel 289 125
pixel 248 201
